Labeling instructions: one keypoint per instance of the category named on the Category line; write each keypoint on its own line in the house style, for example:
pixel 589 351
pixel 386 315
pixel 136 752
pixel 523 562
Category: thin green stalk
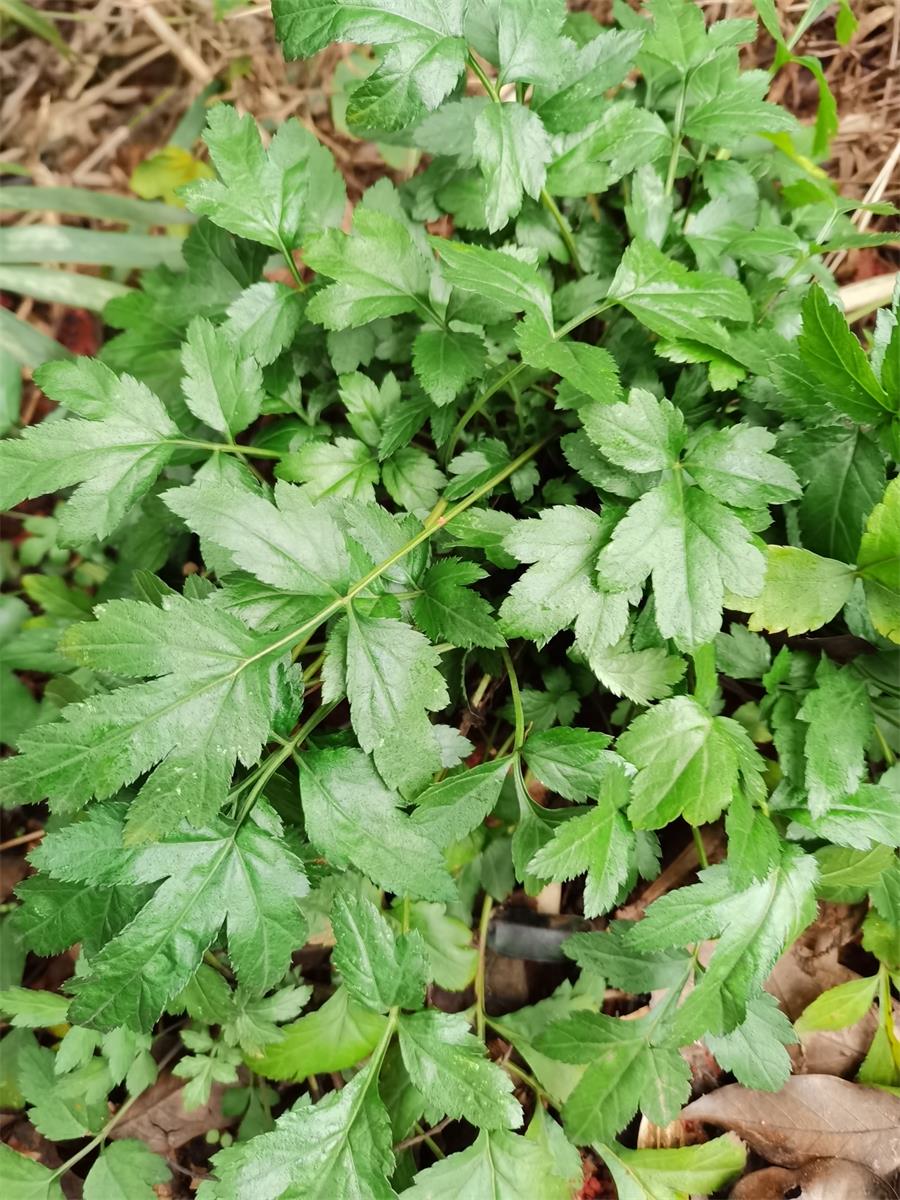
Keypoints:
pixel 889 756
pixel 530 1080
pixel 292 267
pixel 676 137
pixel 565 231
pixel 706 680
pixel 109 1126
pixel 516 698
pixel 886 1006
pixel 480 1015
pixel 546 199
pixel 701 849
pixel 486 82
pixel 309 626
pixel 225 448
pixel 479 402
pixel 282 754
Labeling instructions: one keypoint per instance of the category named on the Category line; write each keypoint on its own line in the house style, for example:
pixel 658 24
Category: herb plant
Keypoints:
pixel 469 562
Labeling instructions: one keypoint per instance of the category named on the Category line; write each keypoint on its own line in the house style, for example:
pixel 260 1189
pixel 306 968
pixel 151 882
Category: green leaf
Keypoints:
pixel 671 300
pixel 878 563
pixel 640 675
pixel 334 1037
pixel 642 435
pixel 61 287
pixel 559 589
pixel 755 1052
pixel 689 763
pixel 338 1147
pixel 277 196
pixel 425 52
pixel 114 450
pixel 601 153
pixel 353 818
pixel 412 479
pixel 215 694
pixel 379 271
pixel 673 1174
pixel 379 968
pixel 599 843
pixel 572 762
pixel 67 1106
pixel 527 39
pixel 735 466
pixel 54 915
pixel 445 361
pixel 611 956
pixel 678 37
pixel 343 467
pixel 86 202
pixel 582 78
pixel 722 111
pixel 801 591
pixel 513 149
pixel 447 1064
pixel 843 479
pixel 263 320
pixel 126 1170
pixel 694 548
pixel 499 1165
pixel 449 810
pixel 840 724
pixel 752 926
pixel 449 610
pixel 741 654
pixel 27 1179
pixel 839 1006
pixel 833 355
pixel 509 282
pixel 625 1071
pixel 448 944
pixel 390 675
pixel 30 1009
pixel 240 874
pixel 590 369
pixel 219 389
pixel 93 247
pixel 293 545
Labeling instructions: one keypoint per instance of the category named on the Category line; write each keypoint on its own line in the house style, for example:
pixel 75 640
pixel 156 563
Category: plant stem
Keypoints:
pixel 479 402
pixel 225 448
pixel 516 698
pixel 676 137
pixel 334 606
pixel 480 1016
pixel 701 849
pixel 565 231
pixel 426 1136
pixel 486 82
pixel 530 1080
pixel 281 755
pixel 109 1126
pixel 706 680
pixel 292 267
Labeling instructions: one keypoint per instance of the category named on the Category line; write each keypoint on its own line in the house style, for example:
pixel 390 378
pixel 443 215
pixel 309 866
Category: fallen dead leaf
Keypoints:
pixel 822 1179
pixel 813 1116
pixel 159 1119
pixel 810 967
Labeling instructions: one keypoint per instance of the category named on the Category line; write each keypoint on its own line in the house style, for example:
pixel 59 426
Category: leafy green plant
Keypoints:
pixel 464 517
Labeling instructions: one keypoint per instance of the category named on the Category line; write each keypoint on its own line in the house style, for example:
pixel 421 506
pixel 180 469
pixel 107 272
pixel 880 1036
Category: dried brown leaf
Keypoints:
pixel 813 1116
pixel 823 1179
pixel 159 1119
